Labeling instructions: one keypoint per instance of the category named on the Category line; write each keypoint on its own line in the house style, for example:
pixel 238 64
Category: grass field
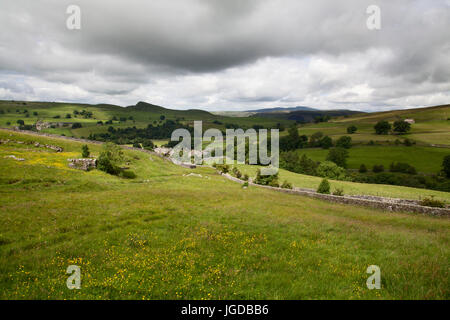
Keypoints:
pixel 424 159
pixel 168 236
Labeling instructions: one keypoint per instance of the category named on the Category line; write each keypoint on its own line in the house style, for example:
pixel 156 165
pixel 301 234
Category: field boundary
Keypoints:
pixel 387 205
pixel 384 205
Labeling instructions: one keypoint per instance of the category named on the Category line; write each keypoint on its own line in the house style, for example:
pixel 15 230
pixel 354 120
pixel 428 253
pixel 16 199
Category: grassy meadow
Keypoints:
pixel 165 235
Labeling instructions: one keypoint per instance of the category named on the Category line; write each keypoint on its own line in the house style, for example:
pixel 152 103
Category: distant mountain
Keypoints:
pixel 283 109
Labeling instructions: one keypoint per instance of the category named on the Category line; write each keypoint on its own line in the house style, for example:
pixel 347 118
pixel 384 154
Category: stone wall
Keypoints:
pixel 83 164
pixel 383 205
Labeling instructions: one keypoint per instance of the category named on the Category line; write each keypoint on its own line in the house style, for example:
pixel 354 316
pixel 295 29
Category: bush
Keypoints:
pixel 104 164
pixel 128 174
pixel 378 168
pixel 236 173
pixel 352 129
pixel 328 169
pixel 408 142
pixel 21 122
pixel 338 192
pixel 362 168
pixel 223 168
pixel 85 151
pixel 286 185
pixel 446 166
pixel 382 127
pixel 246 177
pixel 109 159
pixel 431 202
pixel 402 167
pixel 338 156
pixel 245 185
pixel 76 125
pixel 324 187
pixel 267 180
pixel 344 142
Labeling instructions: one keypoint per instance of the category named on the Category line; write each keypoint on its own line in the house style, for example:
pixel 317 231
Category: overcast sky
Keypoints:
pixel 228 54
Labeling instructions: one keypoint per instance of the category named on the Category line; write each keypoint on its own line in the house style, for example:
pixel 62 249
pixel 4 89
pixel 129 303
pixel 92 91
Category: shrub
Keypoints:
pixel 271 180
pixel 408 142
pixel 338 156
pixel 21 122
pixel 328 169
pixel 223 168
pixel 246 177
pixel 338 192
pixel 378 168
pixel 362 168
pixel 85 151
pixel 286 185
pixel 446 166
pixel 76 125
pixel 382 127
pixel 104 164
pixel 324 187
pixel 57 117
pixel 402 167
pixel 352 129
pixel 431 202
pixel 245 185
pixel 109 159
pixel 127 174
pixel 344 142
pixel 236 173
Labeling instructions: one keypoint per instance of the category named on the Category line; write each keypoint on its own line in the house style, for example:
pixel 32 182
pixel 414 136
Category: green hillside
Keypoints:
pixel 167 235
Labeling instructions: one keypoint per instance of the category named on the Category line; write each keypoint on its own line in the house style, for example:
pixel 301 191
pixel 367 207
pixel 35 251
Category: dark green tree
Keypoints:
pixel 382 127
pixel 344 142
pixel 402 126
pixel 338 156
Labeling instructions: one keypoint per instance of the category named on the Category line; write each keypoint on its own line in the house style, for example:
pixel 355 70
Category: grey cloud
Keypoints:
pixel 137 47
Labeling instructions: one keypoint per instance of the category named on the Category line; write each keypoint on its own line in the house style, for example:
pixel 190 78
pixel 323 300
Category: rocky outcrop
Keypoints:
pixel 83 164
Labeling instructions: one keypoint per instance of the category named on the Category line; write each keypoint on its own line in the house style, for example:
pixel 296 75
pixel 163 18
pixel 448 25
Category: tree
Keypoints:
pixel 338 156
pixel 402 126
pixel 326 142
pixel 314 140
pixel 68 116
pixel 344 142
pixel 446 166
pixel 324 187
pixel 382 127
pixel 328 169
pixel 21 122
pixel 110 158
pixel 162 117
pixel 85 151
pixel 76 125
pixel 352 129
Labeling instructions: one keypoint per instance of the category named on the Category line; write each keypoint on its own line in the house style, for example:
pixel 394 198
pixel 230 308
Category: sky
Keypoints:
pixel 228 55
